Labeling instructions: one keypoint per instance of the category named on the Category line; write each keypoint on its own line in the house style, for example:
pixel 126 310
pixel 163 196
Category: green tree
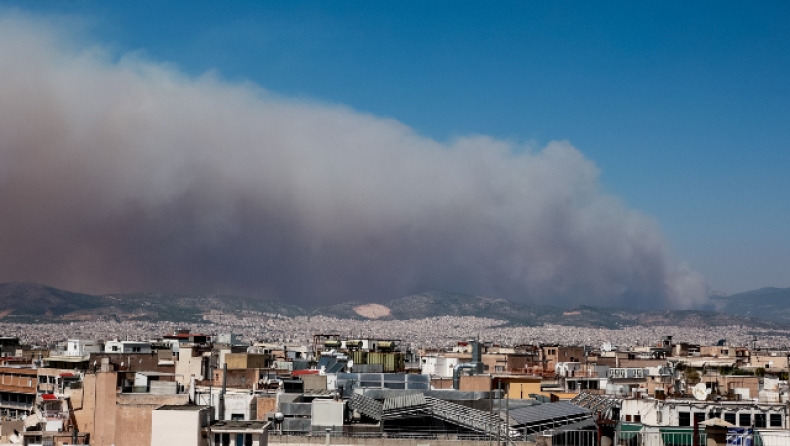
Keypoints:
pixel 692 376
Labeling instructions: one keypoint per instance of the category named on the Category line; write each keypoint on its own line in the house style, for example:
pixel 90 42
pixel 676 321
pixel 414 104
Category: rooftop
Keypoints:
pixel 238 425
pixel 182 407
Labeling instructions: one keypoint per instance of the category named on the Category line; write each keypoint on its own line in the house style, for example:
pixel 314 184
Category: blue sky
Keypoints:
pixel 685 107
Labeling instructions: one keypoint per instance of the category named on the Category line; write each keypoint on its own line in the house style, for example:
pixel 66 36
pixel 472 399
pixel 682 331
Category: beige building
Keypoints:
pixel 552 354
pixel 180 425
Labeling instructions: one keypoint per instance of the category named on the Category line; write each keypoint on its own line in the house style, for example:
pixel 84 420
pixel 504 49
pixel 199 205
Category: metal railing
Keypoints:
pixel 573 438
pixel 758 438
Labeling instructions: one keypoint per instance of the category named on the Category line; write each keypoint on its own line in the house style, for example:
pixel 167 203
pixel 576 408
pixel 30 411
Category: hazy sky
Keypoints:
pixel 676 119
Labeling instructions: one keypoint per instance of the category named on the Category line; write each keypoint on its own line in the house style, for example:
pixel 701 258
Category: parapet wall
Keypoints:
pixel 289 440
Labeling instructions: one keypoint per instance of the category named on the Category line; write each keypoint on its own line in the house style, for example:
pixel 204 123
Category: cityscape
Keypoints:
pixel 388 381
pixel 436 332
pixel 362 223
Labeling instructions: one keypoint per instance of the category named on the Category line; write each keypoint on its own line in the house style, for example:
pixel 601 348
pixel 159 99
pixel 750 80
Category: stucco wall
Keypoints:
pixel 265 403
pixel 104 427
pixel 175 427
pixel 133 416
pixel 477 383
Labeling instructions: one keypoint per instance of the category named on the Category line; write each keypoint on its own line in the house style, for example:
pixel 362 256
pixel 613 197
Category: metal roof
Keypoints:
pixel 543 413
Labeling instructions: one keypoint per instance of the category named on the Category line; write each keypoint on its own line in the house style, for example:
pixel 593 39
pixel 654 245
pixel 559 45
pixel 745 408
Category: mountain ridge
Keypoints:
pixel 30 302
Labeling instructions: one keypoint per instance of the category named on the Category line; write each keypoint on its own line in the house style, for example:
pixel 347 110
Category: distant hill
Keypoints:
pixel 434 304
pixel 27 302
pixel 766 303
pixel 453 304
pixel 30 300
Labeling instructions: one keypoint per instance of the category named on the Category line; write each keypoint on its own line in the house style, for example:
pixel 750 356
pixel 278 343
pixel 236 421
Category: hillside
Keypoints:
pixel 766 303
pixel 26 302
pixel 31 301
pixel 434 304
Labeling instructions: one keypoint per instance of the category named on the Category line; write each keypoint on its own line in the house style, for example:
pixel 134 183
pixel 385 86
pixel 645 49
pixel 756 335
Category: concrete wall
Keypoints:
pixel 175 427
pixel 148 362
pixel 265 403
pixel 519 391
pixel 188 365
pixel 133 425
pixel 103 433
pixel 7 428
pixel 515 361
pixel 766 361
pixel 314 382
pixel 237 379
pixel 475 383
pixel 442 383
pixel 246 360
pixel 84 412
pixel 492 361
pixel 133 416
pixel 328 413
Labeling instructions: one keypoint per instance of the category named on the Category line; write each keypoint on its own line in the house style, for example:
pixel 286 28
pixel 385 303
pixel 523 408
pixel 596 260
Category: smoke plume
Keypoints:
pixel 126 175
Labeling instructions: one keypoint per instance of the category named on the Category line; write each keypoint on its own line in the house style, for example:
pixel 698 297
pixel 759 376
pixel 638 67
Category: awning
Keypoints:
pixel 628 431
pixel 678 436
pixel 48 397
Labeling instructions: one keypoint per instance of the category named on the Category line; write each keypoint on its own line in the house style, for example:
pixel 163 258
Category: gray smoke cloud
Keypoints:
pixel 126 175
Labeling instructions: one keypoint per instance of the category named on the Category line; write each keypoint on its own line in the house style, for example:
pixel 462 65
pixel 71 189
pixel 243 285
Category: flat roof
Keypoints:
pixel 146 373
pixel 238 425
pixel 182 407
pixel 66 359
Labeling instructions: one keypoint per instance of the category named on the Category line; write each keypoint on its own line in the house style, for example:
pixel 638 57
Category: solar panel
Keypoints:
pixel 546 412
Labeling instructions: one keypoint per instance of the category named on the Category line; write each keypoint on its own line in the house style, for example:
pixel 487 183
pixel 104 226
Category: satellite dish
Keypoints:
pixel 700 392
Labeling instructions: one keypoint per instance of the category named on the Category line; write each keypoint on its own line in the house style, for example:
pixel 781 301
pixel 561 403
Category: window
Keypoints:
pixel 744 419
pixel 247 439
pixel 730 417
pixel 776 420
pixel 628 418
pixel 237 417
pixel 225 440
pixel 759 420
pixel 684 419
pixel 637 418
pixel 115 348
pixel 699 417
